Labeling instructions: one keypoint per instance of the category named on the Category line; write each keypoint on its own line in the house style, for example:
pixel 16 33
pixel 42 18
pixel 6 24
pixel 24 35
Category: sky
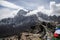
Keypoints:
pixel 9 8
pixel 33 4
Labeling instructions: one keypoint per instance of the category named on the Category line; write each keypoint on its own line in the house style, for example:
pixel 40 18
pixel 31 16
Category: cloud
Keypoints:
pixel 5 13
pixel 6 9
pixel 55 8
pixel 31 4
pixel 9 5
pixel 44 10
pixel 39 9
pixel 8 13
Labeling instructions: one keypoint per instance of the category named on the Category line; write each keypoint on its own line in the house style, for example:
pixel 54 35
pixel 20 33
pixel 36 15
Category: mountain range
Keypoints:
pixel 21 22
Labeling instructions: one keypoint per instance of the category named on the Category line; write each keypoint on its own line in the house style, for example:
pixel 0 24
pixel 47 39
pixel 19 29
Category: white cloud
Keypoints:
pixel 5 13
pixel 39 9
pixel 8 12
pixel 9 5
pixel 55 8
pixel 43 10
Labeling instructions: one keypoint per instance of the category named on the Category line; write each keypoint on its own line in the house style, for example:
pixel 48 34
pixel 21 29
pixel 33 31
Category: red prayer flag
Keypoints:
pixel 56 35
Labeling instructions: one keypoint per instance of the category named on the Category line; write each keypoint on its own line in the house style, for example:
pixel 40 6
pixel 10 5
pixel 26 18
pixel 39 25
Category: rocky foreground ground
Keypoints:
pixel 30 36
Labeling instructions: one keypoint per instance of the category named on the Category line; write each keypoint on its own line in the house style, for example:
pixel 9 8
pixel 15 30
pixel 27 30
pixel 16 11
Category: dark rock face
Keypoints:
pixel 44 16
pixel 21 23
pixel 55 18
pixel 6 30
